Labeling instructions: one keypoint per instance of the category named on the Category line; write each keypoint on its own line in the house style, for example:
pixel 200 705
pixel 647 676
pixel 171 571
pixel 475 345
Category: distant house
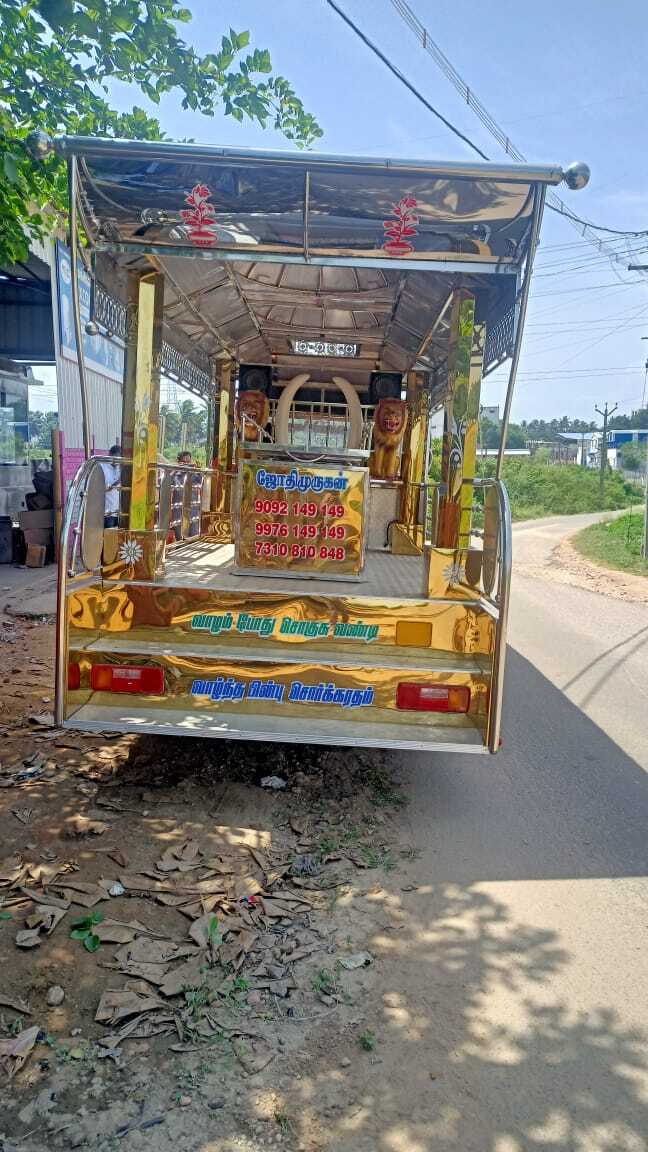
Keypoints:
pixel 577 448
pixel 616 439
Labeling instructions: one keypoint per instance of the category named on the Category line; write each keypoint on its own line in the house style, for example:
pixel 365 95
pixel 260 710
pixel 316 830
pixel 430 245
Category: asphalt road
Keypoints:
pixel 520 963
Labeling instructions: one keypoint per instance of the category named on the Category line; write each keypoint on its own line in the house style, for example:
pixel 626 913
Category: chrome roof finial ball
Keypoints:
pixel 91 329
pixel 577 175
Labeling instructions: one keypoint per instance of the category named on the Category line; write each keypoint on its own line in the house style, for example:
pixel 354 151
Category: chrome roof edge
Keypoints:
pixel 97 146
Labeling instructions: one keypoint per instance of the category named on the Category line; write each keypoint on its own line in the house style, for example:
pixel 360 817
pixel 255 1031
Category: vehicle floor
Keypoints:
pixel 206 564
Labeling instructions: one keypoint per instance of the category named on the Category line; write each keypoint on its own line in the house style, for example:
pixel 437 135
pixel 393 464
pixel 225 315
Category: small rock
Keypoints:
pixel 116 889
pixel 216 1103
pixel 185 1101
pixel 345 1062
pixel 356 960
pixel 55 995
pixel 76 1031
pixel 276 783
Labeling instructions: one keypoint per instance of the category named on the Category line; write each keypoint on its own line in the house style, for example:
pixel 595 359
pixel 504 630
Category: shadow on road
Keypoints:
pixel 561 800
pixel 482 1041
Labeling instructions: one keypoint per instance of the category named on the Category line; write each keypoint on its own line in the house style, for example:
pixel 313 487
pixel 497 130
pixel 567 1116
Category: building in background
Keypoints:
pixel 576 448
pixel 490 412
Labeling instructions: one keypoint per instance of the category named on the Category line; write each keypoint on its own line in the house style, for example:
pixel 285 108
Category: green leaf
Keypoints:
pixel 10 165
pixel 91 943
pixel 80 933
pixel 85 923
pixel 5 916
pixel 96 917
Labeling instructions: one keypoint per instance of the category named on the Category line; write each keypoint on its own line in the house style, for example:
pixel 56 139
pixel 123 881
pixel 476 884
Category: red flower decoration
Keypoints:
pixel 398 230
pixel 200 217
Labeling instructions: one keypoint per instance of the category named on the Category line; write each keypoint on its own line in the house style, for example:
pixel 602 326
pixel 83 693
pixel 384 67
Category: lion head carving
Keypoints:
pixel 390 422
pixel 252 413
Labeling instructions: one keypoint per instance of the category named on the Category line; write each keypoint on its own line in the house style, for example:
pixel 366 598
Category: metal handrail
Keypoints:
pixel 75 494
pixel 501 600
pixel 499 654
pixel 71 533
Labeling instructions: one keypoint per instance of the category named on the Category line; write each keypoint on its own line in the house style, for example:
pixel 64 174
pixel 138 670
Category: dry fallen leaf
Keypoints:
pixel 189 975
pixel 180 859
pixel 15 1050
pixel 41 922
pixel 16 1003
pixel 235 951
pixel 12 870
pixel 23 814
pixel 82 826
pixel 119 1005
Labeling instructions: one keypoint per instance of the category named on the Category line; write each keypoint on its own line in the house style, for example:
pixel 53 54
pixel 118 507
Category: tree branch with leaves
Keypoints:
pixel 57 60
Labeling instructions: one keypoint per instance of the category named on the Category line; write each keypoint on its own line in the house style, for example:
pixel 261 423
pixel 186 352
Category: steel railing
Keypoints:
pixel 185 509
pixel 499 595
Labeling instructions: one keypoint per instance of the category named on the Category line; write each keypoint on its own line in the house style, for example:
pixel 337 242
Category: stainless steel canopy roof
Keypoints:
pixel 291 246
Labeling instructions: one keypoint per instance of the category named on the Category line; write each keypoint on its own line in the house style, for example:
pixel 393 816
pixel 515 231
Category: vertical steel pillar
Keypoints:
pixel 221 499
pixel 414 460
pixel 461 423
pixel 141 406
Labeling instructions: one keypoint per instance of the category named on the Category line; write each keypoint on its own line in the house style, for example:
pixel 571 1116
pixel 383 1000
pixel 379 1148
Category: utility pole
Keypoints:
pixel 644 549
pixel 604 458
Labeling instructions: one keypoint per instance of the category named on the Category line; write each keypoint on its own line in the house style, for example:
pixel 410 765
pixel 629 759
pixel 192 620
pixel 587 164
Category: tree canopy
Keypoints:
pixel 57 60
pixel 638 419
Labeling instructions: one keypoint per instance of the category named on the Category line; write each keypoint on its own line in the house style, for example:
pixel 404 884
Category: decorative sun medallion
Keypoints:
pixel 454 573
pixel 131 552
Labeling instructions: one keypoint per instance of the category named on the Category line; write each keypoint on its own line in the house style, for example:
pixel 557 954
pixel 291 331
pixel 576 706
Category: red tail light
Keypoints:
pixel 433 697
pixel 74 677
pixel 127 678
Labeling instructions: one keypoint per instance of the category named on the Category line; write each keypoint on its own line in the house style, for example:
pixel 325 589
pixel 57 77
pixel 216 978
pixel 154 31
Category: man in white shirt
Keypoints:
pixel 112 476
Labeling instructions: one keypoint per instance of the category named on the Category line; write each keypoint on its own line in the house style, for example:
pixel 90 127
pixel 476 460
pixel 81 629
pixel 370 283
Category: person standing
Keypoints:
pixel 112 477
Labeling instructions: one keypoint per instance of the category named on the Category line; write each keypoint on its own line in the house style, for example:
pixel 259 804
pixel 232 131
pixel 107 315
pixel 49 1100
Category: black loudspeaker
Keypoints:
pixel 385 386
pixel 255 378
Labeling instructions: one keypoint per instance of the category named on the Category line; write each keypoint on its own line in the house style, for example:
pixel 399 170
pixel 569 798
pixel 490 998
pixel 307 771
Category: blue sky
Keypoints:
pixel 566 81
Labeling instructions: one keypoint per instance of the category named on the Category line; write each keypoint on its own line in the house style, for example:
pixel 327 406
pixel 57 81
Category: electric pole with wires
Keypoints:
pixel 606 413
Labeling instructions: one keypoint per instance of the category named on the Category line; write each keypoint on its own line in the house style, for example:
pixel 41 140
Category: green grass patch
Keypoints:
pixel 561 489
pixel 614 543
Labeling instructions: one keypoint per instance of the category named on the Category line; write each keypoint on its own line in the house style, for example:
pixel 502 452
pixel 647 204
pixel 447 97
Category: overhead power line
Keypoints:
pixel 403 79
pixel 554 201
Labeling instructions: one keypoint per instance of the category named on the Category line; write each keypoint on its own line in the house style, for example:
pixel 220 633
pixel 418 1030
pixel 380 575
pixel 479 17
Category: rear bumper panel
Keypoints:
pixel 227 726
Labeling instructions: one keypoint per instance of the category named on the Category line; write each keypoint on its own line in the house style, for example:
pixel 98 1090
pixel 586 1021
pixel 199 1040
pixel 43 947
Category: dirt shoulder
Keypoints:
pixel 546 551
pixel 219 985
pixel 571 567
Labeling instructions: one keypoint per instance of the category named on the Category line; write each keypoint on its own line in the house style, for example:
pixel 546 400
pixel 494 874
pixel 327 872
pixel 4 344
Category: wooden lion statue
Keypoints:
pixel 390 422
pixel 252 413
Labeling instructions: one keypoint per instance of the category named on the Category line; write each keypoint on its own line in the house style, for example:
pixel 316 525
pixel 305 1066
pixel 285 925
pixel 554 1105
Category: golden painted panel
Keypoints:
pixel 133 555
pixel 301 519
pixel 218 620
pixel 309 690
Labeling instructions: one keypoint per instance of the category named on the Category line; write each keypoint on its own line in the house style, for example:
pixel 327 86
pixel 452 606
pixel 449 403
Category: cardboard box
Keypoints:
pixel 38 536
pixel 29 520
pixel 35 556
